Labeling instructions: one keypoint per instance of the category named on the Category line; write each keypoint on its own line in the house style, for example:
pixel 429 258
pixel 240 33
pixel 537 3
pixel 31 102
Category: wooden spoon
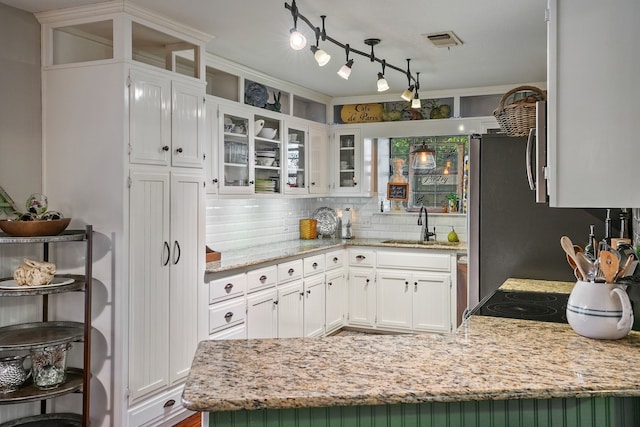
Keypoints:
pixel 567 245
pixel 609 265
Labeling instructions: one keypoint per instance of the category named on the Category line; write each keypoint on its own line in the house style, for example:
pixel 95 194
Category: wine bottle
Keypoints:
pixel 589 250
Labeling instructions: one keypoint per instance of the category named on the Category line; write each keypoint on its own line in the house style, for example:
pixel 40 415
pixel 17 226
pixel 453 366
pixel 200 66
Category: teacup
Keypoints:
pixel 599 310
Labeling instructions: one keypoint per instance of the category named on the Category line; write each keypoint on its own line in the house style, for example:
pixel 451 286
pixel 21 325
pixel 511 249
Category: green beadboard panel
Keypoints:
pixel 570 412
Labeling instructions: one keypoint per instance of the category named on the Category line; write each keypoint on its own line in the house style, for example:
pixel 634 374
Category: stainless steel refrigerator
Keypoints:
pixel 510 235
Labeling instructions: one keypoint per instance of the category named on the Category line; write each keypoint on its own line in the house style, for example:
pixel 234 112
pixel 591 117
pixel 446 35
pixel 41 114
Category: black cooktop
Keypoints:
pixel 540 306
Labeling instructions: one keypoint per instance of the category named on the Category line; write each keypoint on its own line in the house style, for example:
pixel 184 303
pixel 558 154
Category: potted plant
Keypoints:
pixel 453 202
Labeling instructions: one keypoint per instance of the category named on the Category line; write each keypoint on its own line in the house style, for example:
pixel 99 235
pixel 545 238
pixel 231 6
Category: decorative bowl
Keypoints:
pixel 257 126
pixel 268 133
pixel 265 161
pixel 34 228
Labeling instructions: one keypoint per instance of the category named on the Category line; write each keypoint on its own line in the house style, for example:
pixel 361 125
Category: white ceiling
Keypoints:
pixel 504 40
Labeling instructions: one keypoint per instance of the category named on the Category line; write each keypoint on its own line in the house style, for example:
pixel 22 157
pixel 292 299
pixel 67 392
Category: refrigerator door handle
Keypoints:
pixel 532 135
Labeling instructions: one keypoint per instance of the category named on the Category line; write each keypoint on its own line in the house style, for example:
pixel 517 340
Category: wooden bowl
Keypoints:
pixel 34 228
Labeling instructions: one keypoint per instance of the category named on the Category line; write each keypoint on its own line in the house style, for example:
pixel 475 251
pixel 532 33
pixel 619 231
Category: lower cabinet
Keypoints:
pixel 314 306
pixel 335 300
pixel 262 314
pixel 362 297
pixel 291 310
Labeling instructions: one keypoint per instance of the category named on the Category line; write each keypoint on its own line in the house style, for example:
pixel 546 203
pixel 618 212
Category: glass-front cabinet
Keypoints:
pixel 268 155
pixel 296 164
pixel 235 150
pixel 348 161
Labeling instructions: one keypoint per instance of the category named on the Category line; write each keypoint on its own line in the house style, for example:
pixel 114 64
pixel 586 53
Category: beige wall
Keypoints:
pixel 20 104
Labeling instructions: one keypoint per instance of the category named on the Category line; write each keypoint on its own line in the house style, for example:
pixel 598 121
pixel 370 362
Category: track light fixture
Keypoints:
pixel 297 40
pixel 323 57
pixel 382 82
pixel 416 103
pixel 345 70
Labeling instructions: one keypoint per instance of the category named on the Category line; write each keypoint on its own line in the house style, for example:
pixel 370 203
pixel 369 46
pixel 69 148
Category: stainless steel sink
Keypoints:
pixel 420 242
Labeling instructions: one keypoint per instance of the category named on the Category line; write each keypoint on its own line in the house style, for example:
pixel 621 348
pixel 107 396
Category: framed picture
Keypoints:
pixel 398 191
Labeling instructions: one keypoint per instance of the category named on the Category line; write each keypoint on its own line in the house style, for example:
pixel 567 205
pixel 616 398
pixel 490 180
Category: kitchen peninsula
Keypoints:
pixel 490 369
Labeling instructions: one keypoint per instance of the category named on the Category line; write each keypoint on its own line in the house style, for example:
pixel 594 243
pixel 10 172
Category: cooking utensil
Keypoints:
pixel 589 270
pixel 609 265
pixel 567 245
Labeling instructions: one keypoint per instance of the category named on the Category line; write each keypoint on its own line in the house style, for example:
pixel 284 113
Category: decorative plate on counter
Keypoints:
pixel 327 221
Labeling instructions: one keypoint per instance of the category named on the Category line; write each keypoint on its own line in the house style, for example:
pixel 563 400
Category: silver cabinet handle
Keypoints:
pixel 228 287
pixel 360 257
pixel 263 278
pixel 228 316
pixel 291 270
pixel 169 403
pixel 314 265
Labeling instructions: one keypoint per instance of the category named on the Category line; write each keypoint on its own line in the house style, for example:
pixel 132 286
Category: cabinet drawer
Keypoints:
pixel 334 259
pixel 414 261
pixel 238 332
pixel 158 410
pixel 227 287
pixel 313 265
pixel 362 257
pixel 289 271
pixel 262 278
pixel 225 314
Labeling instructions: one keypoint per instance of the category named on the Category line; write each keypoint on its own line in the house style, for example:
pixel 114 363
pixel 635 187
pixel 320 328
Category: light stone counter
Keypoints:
pixel 486 359
pixel 255 255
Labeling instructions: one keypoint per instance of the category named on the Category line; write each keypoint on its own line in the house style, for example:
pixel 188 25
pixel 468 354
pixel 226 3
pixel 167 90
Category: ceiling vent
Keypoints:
pixel 443 39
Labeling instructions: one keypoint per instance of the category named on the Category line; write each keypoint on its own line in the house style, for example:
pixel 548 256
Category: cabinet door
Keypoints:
pixel 296 160
pixel 211 146
pixel 362 297
pixel 149 118
pixel 394 299
pixel 336 294
pixel 318 160
pixel 234 151
pixel 347 161
pixel 150 257
pixel 187 204
pixel 314 299
pixel 262 315
pixel 291 310
pixel 187 125
pixel 268 161
pixel 593 103
pixel 431 302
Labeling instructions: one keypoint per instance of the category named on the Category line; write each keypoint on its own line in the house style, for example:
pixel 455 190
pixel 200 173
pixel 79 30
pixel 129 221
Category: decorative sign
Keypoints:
pixel 439 180
pixel 361 113
pixel 398 191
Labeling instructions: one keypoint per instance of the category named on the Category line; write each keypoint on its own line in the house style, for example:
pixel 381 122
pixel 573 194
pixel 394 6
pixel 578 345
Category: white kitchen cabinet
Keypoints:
pixel 592 103
pixel 227 314
pixel 336 299
pixel 262 314
pixel 314 305
pixel 362 297
pixel 166 120
pixel 296 158
pixel 394 299
pixel 165 224
pixel 291 310
pixel 318 163
pixel 211 145
pixel 432 302
pixel 347 161
pixel 235 133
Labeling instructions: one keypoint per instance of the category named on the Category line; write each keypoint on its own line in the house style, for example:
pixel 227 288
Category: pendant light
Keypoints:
pixel 297 40
pixel 423 158
pixel 407 95
pixel 382 82
pixel 416 103
pixel 322 57
pixel 345 70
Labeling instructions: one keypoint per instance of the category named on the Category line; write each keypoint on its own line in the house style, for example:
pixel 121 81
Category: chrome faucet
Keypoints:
pixel 424 232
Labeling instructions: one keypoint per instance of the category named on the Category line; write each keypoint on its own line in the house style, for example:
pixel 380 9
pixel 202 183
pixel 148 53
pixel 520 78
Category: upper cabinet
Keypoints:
pixel 592 103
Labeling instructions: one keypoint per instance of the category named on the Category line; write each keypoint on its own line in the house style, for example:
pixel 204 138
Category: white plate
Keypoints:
pixel 13 285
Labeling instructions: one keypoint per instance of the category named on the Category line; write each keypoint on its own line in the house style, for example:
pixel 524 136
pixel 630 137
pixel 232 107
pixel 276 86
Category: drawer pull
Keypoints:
pixel 228 316
pixel 329 283
pixel 301 294
pixel 169 403
pixel 165 148
pixel 335 259
pixel 291 270
pixel 314 265
pixel 360 257
pixel 263 278
pixel 228 287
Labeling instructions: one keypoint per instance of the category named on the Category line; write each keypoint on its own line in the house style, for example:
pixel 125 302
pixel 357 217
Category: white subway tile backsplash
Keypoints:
pixel 242 223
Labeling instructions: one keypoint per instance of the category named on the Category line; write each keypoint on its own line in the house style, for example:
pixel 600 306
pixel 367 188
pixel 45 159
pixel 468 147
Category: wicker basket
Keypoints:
pixel 308 228
pixel 518 117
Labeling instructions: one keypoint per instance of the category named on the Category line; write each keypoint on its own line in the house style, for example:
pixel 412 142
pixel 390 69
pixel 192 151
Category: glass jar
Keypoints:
pixel 48 366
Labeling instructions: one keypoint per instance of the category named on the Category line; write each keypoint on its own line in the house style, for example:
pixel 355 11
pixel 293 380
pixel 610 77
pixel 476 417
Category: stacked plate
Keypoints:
pixel 265 157
pixel 265 186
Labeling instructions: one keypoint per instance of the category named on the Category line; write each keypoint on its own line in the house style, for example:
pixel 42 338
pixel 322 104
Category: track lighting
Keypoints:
pixel 408 92
pixel 345 70
pixel 323 57
pixel 297 40
pixel 382 82
pixel 416 98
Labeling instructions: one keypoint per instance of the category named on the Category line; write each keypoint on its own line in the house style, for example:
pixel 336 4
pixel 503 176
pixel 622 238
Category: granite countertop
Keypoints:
pixel 247 257
pixel 486 358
